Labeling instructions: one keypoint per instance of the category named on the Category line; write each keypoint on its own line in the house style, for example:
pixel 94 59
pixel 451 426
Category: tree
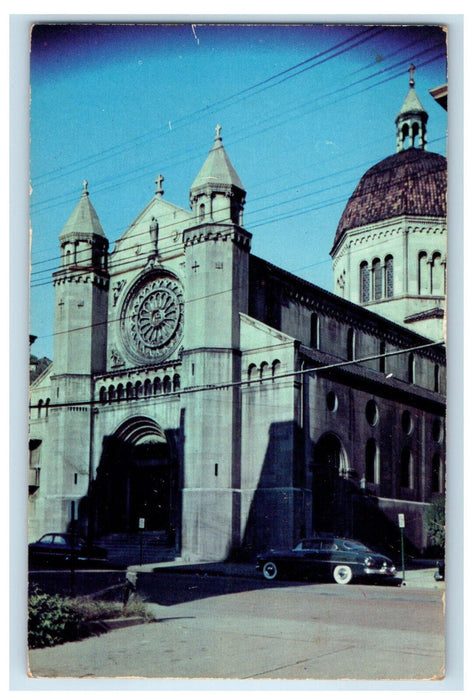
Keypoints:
pixel 435 519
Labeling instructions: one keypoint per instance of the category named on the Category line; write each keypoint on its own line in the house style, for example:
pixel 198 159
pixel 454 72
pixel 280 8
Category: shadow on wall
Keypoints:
pixel 133 482
pixel 293 500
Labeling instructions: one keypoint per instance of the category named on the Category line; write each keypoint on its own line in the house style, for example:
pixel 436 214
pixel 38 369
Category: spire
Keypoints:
pixel 411 122
pixel 217 168
pixel 84 219
pixel 217 194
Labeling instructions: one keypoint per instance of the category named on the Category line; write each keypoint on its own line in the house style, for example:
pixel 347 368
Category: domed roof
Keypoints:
pixel 409 183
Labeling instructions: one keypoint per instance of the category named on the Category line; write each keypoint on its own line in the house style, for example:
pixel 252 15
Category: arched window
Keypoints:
pixel 436 378
pixel 276 368
pixel 46 406
pixel 382 357
pixel 167 386
pixel 201 212
pixel 377 279
pixel 351 344
pixel 111 393
pixel 176 382
pixel 157 388
pixel 423 275
pixel 436 476
pixel 406 469
pixel 371 462
pixel 314 331
pixel 120 392
pixel 364 282
pixel 411 370
pixel 148 387
pixel 252 372
pixel 438 288
pixel 138 390
pixel 264 370
pixel 40 407
pixel 388 276
pixel 129 390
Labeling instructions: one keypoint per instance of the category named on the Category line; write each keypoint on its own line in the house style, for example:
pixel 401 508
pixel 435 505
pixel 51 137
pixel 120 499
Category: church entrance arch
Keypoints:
pixel 331 489
pixel 137 479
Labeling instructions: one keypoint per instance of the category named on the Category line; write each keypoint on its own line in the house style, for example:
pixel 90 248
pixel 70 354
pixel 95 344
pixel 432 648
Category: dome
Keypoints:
pixel 412 182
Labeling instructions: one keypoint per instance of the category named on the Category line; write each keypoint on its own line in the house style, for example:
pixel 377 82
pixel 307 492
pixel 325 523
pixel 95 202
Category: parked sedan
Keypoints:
pixel 56 548
pixel 334 558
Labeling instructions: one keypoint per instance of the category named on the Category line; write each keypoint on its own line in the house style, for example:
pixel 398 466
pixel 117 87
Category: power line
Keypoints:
pixel 259 380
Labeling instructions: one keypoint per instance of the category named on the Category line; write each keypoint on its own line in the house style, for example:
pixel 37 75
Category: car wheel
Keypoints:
pixel 270 570
pixel 342 574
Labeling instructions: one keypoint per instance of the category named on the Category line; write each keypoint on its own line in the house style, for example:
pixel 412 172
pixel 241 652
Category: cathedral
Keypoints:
pixel 201 391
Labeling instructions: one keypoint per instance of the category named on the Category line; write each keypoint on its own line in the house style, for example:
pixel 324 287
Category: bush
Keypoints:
pixel 51 620
pixel 435 518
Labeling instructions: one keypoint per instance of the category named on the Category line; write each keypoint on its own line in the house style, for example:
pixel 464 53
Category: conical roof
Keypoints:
pixel 217 168
pixel 84 219
pixel 411 104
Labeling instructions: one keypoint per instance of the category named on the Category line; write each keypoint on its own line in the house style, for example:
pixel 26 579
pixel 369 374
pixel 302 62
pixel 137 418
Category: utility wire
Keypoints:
pixel 259 380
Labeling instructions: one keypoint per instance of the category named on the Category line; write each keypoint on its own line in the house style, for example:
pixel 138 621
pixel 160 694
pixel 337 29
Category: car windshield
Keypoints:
pixel 353 544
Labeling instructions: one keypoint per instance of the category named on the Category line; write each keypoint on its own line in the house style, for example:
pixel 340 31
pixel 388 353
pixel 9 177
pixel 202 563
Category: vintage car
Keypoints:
pixel 58 548
pixel 337 558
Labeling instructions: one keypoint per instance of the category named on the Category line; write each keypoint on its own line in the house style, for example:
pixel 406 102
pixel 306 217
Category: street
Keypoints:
pixel 241 628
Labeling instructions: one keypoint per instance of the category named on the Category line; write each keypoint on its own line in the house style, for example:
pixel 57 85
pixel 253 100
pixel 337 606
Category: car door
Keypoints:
pixel 61 548
pixel 310 559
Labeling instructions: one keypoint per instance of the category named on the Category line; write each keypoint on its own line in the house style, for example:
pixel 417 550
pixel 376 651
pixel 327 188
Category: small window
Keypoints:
pixel 372 412
pixel 389 276
pixel 314 331
pixel 332 401
pixel 350 344
pixel 364 283
pixel 382 357
pixel 411 371
pixel 377 279
pixel 406 468
pixel 407 423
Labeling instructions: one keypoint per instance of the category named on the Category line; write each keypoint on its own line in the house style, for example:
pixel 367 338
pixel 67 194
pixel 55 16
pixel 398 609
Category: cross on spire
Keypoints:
pixel 218 130
pixel 411 71
pixel 85 184
pixel 159 181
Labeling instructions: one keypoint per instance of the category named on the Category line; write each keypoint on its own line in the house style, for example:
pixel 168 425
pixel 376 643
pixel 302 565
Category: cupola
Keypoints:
pixel 411 122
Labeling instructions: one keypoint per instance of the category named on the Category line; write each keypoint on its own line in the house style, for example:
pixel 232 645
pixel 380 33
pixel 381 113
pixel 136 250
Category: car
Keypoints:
pixel 440 572
pixel 338 558
pixel 58 548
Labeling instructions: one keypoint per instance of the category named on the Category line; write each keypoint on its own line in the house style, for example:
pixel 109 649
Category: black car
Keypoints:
pixel 58 548
pixel 336 558
pixel 440 573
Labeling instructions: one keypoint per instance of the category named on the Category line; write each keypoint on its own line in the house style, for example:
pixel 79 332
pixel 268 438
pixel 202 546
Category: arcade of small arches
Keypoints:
pixel 264 370
pixel 138 389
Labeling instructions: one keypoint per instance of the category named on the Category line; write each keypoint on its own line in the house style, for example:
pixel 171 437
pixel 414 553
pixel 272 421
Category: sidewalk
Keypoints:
pixel 415 577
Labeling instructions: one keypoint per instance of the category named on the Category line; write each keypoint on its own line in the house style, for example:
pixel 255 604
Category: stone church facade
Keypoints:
pixel 224 400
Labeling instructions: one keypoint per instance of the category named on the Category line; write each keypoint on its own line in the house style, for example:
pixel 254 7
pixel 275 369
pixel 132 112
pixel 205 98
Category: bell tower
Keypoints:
pixel 217 262
pixel 80 333
pixel 411 122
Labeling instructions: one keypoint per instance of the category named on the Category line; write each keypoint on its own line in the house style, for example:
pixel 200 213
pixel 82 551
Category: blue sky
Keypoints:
pixel 305 111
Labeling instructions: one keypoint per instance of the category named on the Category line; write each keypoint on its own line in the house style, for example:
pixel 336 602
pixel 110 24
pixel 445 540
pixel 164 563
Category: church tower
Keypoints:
pixel 217 260
pixel 390 248
pixel 80 331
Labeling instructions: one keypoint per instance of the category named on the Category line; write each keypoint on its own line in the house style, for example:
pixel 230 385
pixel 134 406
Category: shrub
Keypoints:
pixel 51 620
pixel 435 517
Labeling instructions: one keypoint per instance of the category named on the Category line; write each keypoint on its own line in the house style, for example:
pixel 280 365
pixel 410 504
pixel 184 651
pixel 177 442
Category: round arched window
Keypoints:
pixel 372 412
pixel 332 401
pixel 407 423
pixel 437 432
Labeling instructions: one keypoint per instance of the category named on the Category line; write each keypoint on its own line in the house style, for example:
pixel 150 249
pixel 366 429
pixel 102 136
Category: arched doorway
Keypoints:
pixel 137 479
pixel 331 489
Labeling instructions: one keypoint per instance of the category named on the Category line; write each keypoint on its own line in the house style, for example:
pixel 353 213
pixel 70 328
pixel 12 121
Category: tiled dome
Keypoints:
pixel 412 182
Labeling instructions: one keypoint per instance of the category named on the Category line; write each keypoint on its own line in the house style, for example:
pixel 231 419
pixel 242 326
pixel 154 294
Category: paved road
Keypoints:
pixel 221 627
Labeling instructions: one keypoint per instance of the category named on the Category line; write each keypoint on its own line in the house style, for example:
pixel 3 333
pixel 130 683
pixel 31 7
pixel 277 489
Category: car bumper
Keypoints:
pixel 372 571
